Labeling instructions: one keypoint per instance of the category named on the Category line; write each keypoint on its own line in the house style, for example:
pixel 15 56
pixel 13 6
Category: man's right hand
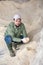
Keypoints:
pixel 25 40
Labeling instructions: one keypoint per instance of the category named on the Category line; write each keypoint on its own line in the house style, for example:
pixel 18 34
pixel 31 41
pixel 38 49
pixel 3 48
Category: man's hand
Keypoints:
pixel 25 40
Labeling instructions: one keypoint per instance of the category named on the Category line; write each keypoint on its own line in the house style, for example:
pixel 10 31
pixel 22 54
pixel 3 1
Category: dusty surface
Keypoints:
pixel 32 16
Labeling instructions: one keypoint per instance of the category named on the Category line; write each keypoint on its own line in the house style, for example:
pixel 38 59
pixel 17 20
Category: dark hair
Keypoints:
pixel 13 19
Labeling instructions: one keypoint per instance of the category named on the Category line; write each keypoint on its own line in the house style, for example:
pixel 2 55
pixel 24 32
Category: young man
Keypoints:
pixel 16 33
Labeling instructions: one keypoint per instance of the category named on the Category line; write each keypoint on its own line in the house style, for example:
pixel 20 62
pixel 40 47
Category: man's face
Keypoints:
pixel 17 22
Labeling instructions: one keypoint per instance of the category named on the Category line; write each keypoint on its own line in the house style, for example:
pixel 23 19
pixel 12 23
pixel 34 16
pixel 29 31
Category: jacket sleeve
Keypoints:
pixel 10 31
pixel 16 39
pixel 24 31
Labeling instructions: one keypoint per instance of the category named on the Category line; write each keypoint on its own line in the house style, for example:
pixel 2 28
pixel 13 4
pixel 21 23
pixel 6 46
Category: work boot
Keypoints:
pixel 12 53
pixel 15 46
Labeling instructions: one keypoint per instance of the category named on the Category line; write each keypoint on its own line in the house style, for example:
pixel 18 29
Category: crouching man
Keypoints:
pixel 16 33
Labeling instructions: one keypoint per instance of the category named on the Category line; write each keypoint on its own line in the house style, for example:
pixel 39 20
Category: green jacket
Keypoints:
pixel 15 32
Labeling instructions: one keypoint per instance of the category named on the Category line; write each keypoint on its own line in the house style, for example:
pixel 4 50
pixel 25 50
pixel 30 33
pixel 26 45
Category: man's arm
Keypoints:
pixel 16 39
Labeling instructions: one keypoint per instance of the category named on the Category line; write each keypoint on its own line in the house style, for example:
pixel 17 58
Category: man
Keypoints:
pixel 16 33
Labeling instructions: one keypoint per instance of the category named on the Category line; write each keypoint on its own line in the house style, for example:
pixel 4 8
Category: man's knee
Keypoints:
pixel 8 39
